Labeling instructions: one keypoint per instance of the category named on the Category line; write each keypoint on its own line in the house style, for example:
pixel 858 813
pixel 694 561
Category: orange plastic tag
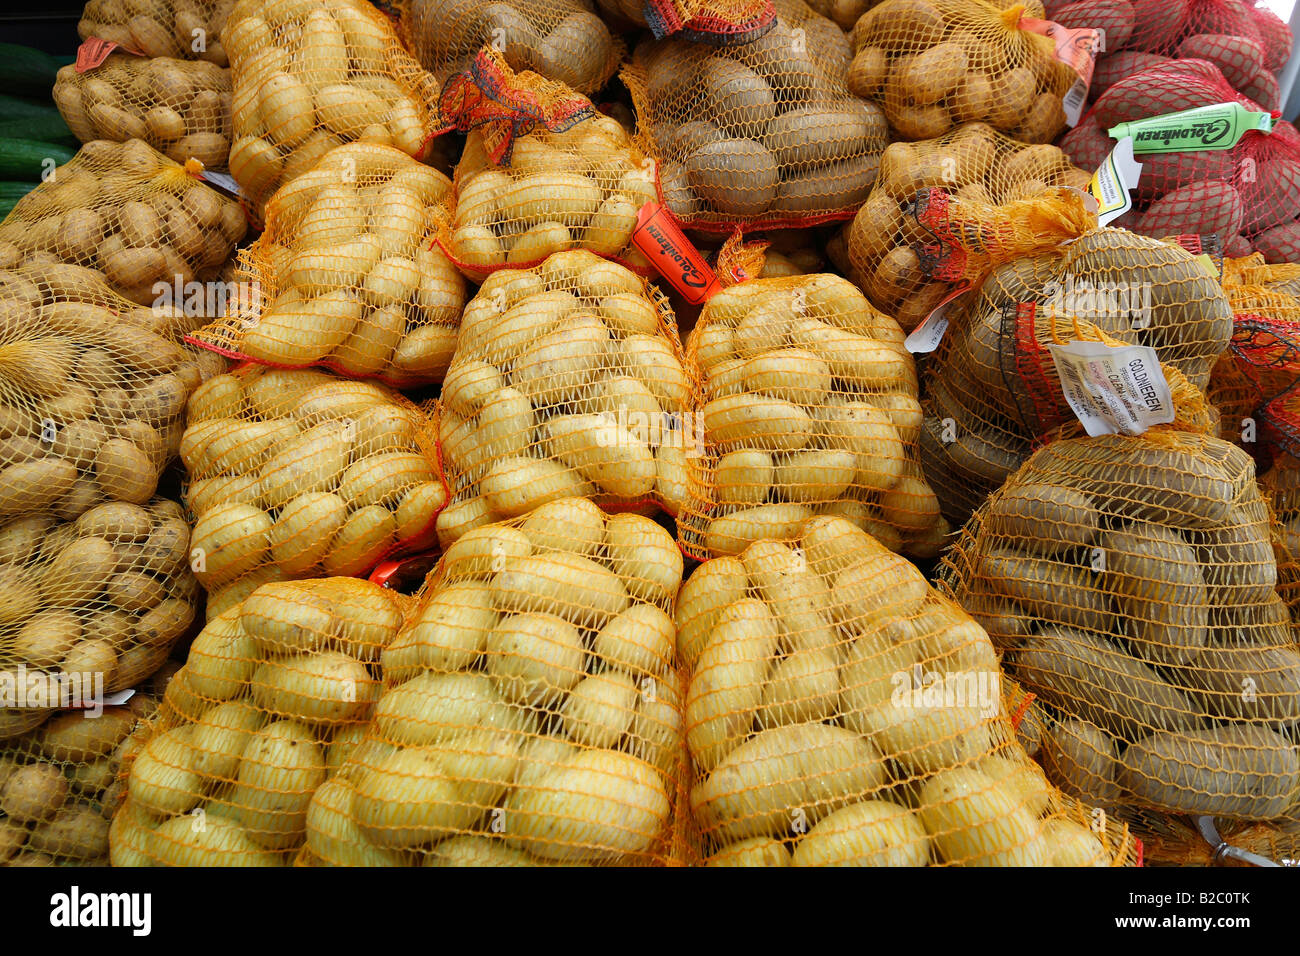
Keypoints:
pixel 93 52
pixel 661 241
pixel 1077 48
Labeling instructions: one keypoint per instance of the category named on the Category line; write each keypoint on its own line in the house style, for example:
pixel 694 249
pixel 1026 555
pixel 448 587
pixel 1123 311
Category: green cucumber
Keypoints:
pixel 26 70
pixel 10 193
pixel 44 129
pixel 29 159
pixel 18 107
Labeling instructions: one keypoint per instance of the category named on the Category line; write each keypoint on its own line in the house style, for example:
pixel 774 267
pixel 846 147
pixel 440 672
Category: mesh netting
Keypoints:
pixel 717 22
pixel 766 133
pixel 809 407
pixel 92 393
pixel 563 40
pixel 929 194
pixel 130 213
pixel 1129 582
pixel 58 783
pixel 310 75
pixel 936 64
pixel 839 711
pixel 531 710
pixel 542 172
pixel 995 389
pixel 273 698
pixel 188 29
pixel 179 107
pixel 348 275
pixel 91 606
pixel 568 381
pixel 1249 195
pixel 294 473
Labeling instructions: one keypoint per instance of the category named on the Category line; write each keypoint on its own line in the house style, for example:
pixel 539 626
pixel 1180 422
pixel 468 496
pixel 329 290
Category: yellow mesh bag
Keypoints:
pixel 179 107
pixel 563 40
pixel 1130 583
pixel 189 29
pixel 531 710
pixel 841 712
pixel 129 212
pixel 348 274
pixel 92 393
pixel 971 182
pixel 91 606
pixel 994 390
pixel 542 172
pixel 274 696
pixel 310 75
pixel 809 407
pixel 59 788
pixel 295 473
pixel 936 64
pixel 763 134
pixel 568 381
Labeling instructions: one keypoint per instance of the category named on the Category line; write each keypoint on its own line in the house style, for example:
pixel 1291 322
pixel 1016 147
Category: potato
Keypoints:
pixel 731 534
pixel 1082 760
pixel 1243 771
pixel 33 792
pixel 973 822
pixel 229 540
pixel 1157 580
pixel 757 851
pixel 871 833
pixel 281 767
pixel 1070 844
pixel 598 805
pixel 534 657
pixel 568 585
pixel 220 842
pixel 326 687
pixel 332 832
pixel 162 777
pixel 736 177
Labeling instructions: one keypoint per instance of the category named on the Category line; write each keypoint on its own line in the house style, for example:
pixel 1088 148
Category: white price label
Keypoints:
pixel 222 181
pixel 927 336
pixel 1113 180
pixel 1074 101
pixel 1113 389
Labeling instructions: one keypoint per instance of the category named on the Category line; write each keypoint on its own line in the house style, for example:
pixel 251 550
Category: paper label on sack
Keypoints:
pixel 1113 389
pixel 674 257
pixel 1111 183
pixel 223 181
pixel 927 336
pixel 1220 126
pixel 1076 48
pixel 93 52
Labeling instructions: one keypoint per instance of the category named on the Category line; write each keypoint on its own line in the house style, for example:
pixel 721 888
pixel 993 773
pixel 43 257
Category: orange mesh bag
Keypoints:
pixel 765 134
pixel 296 474
pixel 90 607
pixel 1280 485
pixel 92 393
pixel 809 407
pixel 908 246
pixel 179 107
pixel 542 172
pixel 936 64
pixel 531 710
pixel 58 784
pixel 563 40
pixel 348 274
pixel 995 391
pixel 568 381
pixel 1130 583
pixel 274 696
pixel 716 22
pixel 310 75
pixel 1249 195
pixel 129 212
pixel 839 711
pixel 188 29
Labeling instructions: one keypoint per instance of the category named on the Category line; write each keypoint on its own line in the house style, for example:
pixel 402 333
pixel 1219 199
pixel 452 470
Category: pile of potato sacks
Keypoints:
pixel 672 616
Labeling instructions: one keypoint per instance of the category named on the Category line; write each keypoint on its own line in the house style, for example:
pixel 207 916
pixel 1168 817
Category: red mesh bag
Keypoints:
pixel 568 381
pixel 530 713
pixel 347 274
pixel 296 473
pixel 563 40
pixel 179 107
pixel 716 22
pixel 937 64
pixel 188 29
pixel 149 225
pixel 765 134
pixel 1249 195
pixel 839 711
pixel 903 244
pixel 309 76
pixel 275 694
pixel 1130 583
pixel 994 391
pixel 542 172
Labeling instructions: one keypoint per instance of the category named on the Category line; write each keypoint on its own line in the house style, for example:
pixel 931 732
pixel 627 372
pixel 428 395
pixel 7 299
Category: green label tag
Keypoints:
pixel 1220 126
